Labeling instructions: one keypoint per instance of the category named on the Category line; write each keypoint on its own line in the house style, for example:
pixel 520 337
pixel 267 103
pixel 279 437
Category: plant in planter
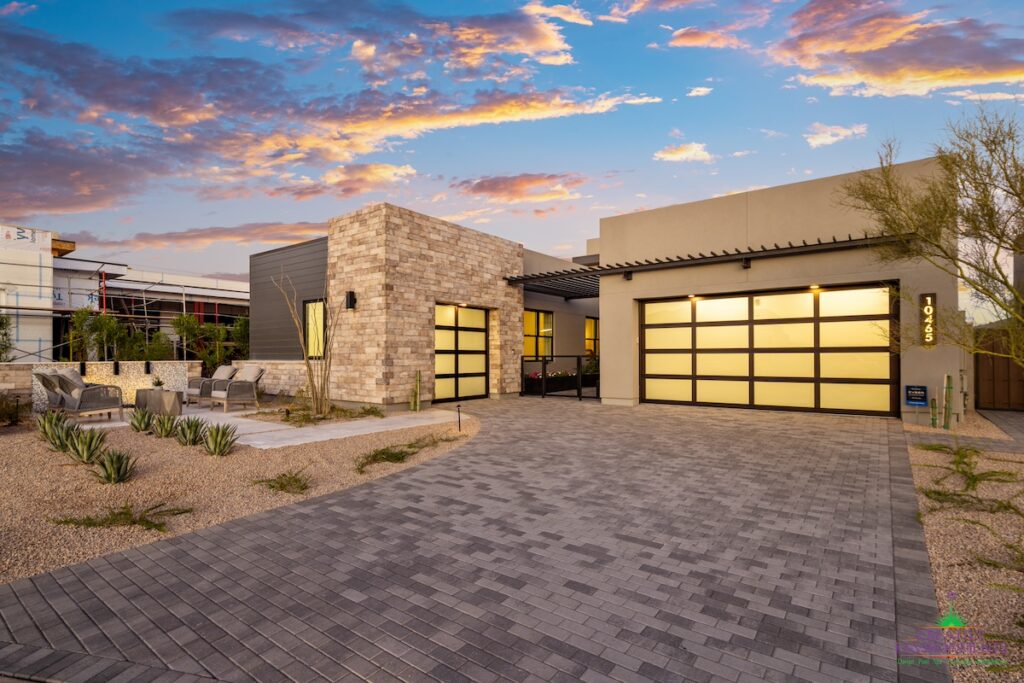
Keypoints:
pixel 157 382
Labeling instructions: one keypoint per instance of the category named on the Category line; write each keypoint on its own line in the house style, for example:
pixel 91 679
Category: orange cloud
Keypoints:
pixel 344 181
pixel 869 48
pixel 524 188
pixel 196 239
pixel 688 151
pixel 691 36
pixel 620 13
pixel 571 14
pixel 821 135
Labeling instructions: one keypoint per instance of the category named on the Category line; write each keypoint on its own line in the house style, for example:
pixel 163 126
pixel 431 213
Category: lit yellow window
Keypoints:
pixel 855 365
pixel 668 390
pixel 591 337
pixel 667 312
pixel 668 363
pixel 538 333
pixel 472 341
pixel 472 362
pixel 472 386
pixel 444 340
pixel 315 329
pixel 873 301
pixel 721 310
pixel 444 388
pixel 444 364
pixel 774 306
pixel 444 315
pixel 473 317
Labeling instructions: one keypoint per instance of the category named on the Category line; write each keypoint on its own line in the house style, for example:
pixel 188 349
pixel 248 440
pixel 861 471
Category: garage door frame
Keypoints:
pixel 816 349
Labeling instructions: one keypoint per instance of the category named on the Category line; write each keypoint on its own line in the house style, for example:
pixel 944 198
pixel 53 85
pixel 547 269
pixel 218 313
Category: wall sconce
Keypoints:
pixel 117 367
pixel 350 299
pixel 81 368
pixel 148 368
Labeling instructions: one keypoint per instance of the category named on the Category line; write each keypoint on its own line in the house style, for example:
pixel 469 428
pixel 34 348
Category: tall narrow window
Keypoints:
pixel 538 334
pixel 592 338
pixel 316 328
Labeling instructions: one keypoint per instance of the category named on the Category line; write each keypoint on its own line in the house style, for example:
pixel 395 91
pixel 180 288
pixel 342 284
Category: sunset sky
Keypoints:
pixel 186 135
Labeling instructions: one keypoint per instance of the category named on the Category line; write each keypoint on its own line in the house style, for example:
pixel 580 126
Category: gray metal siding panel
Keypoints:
pixel 272 333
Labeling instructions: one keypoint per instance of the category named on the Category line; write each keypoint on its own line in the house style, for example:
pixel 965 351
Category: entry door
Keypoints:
pixel 460 353
pixel 826 350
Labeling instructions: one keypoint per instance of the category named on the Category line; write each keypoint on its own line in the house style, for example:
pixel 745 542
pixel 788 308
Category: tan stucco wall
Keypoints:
pixel 803 211
pixel 400 263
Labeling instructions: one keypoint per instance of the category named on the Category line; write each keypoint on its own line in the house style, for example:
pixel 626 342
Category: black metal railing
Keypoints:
pixel 578 378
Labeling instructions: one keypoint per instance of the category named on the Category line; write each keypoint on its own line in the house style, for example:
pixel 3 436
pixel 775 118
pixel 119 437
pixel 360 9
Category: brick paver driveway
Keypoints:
pixel 566 542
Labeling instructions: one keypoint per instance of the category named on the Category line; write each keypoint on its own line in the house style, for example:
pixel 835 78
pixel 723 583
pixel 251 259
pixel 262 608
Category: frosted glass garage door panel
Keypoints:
pixel 668 390
pixel 784 364
pixel 444 340
pixel 668 338
pixel 871 301
pixel 855 365
pixel 472 341
pixel 784 335
pixel 855 333
pixel 472 362
pixel 444 315
pixel 472 386
pixel 787 394
pixel 472 317
pixel 774 306
pixel 668 364
pixel 858 397
pixel 723 391
pixel 722 310
pixel 724 337
pixel 444 364
pixel 667 312
pixel 737 364
pixel 444 388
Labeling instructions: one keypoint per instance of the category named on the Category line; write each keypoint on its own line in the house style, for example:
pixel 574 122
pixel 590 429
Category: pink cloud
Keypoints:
pixel 196 239
pixel 16 9
pixel 524 187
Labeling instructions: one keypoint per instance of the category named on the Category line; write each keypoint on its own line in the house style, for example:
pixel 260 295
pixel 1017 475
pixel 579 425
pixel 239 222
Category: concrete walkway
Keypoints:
pixel 266 434
pixel 568 541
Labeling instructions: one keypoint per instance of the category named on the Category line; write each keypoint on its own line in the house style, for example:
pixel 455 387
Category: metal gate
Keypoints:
pixel 998 382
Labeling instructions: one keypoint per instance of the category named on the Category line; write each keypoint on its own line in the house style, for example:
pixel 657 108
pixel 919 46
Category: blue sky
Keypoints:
pixel 186 135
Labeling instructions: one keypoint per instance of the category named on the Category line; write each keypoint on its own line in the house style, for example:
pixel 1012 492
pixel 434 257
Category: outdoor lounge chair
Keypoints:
pixel 81 399
pixel 199 388
pixel 240 389
pixel 54 396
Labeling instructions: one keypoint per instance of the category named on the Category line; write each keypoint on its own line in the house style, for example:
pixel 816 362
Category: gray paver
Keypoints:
pixel 567 541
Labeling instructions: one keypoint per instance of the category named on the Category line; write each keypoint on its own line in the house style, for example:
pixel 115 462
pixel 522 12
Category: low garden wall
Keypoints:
pixel 16 378
pixel 282 376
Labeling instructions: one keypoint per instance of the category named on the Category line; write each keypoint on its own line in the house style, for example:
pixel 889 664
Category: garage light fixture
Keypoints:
pixel 814 286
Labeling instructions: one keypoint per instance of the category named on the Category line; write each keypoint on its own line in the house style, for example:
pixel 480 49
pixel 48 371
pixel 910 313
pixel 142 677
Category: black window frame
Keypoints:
pixel 456 352
pixel 537 336
pixel 305 325
pixel 596 338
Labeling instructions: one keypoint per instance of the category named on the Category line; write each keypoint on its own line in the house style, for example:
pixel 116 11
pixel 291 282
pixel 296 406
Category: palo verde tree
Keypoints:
pixel 966 219
pixel 318 369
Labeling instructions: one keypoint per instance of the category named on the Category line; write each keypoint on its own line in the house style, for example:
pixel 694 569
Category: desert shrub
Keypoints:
pixel 220 439
pixel 114 467
pixel 292 481
pixel 142 420
pixel 55 429
pixel 87 445
pixel 165 426
pixel 191 431
pixel 400 453
pixel 148 518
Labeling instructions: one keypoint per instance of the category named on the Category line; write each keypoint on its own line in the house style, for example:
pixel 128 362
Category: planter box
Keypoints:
pixel 533 386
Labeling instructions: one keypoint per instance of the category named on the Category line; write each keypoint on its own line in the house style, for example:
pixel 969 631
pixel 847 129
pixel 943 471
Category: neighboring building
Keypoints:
pixel 772 298
pixel 41 286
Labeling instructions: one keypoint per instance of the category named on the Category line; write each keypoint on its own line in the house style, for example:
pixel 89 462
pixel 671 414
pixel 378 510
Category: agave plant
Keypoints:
pixel 165 426
pixel 54 429
pixel 142 420
pixel 220 439
pixel 87 445
pixel 114 467
pixel 191 431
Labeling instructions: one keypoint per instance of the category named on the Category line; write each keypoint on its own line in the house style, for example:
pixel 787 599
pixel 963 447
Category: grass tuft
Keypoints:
pixel 292 481
pixel 151 518
pixel 402 452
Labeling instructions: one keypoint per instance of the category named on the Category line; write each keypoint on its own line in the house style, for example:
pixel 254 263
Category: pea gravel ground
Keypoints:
pixel 39 485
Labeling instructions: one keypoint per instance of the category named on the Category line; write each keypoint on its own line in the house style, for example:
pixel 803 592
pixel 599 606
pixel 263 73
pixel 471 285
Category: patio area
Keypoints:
pixel 566 541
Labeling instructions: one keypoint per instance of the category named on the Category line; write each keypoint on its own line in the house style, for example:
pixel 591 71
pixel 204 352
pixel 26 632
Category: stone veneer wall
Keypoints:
pixel 281 376
pixel 400 263
pixel 16 378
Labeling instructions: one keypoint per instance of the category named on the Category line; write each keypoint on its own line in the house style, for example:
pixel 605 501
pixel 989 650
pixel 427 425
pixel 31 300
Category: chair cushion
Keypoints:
pixel 193 391
pixel 73 375
pixel 224 372
pixel 250 373
pixel 219 394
